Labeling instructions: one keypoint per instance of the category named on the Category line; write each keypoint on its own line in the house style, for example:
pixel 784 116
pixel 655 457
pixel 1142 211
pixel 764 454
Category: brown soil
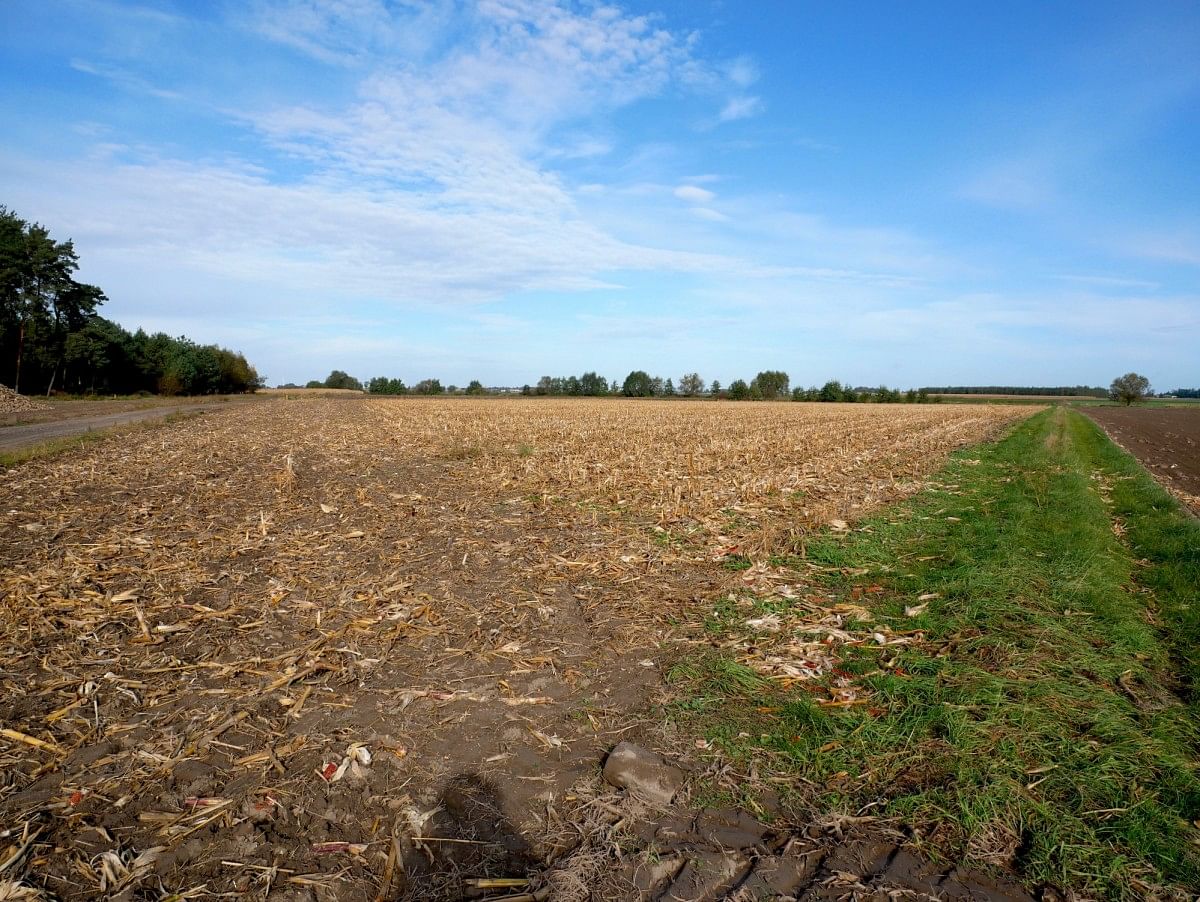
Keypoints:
pixel 219 659
pixel 279 653
pixel 1166 440
pixel 725 854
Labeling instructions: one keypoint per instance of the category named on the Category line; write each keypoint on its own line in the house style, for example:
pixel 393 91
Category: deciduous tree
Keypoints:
pixel 638 384
pixel 771 383
pixel 340 379
pixel 593 385
pixel 831 391
pixel 691 384
pixel 739 390
pixel 429 387
pixel 1130 388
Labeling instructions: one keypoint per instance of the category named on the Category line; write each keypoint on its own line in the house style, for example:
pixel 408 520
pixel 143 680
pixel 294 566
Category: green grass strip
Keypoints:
pixel 1048 725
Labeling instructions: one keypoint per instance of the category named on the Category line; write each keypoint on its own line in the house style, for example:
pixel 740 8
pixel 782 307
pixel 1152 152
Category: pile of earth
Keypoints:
pixel 11 402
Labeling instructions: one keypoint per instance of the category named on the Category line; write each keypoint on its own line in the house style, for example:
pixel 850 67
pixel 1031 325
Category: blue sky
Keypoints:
pixel 916 193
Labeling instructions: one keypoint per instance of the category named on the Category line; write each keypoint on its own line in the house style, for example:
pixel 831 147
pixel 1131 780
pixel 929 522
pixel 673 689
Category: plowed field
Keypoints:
pixel 1165 440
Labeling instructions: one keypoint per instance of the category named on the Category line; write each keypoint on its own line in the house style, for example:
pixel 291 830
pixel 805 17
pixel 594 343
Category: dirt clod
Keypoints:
pixel 783 874
pixel 643 773
pixel 707 875
pixel 651 876
pixel 730 828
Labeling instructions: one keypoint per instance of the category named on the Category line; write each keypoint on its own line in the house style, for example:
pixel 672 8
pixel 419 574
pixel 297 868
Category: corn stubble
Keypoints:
pixel 220 626
pixel 750 471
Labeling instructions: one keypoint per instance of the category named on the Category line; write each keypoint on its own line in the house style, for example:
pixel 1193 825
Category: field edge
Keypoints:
pixel 1038 723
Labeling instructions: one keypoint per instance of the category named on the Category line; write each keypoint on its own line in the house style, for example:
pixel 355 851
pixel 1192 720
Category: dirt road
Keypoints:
pixel 27 435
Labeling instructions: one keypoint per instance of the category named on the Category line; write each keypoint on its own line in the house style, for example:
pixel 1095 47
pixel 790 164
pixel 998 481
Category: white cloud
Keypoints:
pixel 1113 282
pixel 472 242
pixel 124 79
pixel 473 123
pixel 709 214
pixel 1179 245
pixel 348 32
pixel 580 149
pixel 742 71
pixel 694 194
pixel 432 187
pixel 740 108
pixel 634 327
pixel 1022 184
pixel 519 61
pixel 814 144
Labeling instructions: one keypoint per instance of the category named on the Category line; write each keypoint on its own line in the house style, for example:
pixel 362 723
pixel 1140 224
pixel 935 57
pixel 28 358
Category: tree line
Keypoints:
pixel 1053 391
pixel 51 337
pixel 768 385
pixel 384 385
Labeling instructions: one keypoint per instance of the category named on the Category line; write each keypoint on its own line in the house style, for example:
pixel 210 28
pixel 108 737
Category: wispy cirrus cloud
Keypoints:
pixel 742 71
pixel 1116 283
pixel 694 194
pixel 408 247
pixel 347 33
pixel 1019 184
pixel 525 62
pixel 430 188
pixel 1179 245
pixel 125 79
pixel 740 108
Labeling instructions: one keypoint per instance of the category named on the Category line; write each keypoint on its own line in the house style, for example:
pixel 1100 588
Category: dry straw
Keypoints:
pixel 244 652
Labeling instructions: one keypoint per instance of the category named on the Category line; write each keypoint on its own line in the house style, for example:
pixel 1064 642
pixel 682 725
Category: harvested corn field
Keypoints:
pixel 343 649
